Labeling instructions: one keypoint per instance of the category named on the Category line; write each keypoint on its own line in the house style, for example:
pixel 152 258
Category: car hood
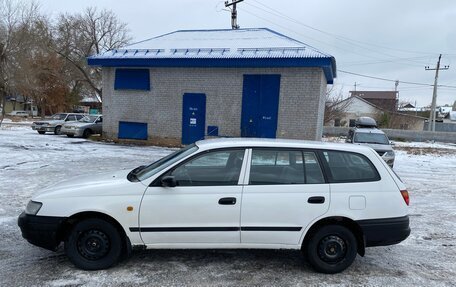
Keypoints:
pixel 49 122
pixel 102 184
pixel 377 147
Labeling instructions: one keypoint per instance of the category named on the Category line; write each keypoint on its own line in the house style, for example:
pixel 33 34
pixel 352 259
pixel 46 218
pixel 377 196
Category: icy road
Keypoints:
pixel 29 162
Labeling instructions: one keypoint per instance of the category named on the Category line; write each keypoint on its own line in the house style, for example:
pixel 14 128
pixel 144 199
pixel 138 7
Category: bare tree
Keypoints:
pixel 81 35
pixel 335 105
pixel 15 17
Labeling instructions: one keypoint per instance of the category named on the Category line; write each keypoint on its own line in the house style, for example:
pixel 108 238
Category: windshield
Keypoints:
pixel 371 138
pixel 58 117
pixel 88 119
pixel 145 172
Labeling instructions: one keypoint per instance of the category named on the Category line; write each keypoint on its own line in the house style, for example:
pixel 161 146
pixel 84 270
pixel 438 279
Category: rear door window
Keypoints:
pixel 273 166
pixel 349 167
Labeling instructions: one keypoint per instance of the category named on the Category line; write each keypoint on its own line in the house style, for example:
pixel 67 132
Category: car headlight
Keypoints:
pixel 33 207
pixel 389 153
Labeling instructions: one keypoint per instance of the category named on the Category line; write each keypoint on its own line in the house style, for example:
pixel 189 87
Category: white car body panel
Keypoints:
pixel 262 205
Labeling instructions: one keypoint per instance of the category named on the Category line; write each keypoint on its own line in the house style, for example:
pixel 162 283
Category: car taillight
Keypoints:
pixel 405 196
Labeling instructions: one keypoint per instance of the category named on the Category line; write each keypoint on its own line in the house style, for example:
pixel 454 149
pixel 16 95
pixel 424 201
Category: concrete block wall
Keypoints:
pixel 301 101
pixel 407 135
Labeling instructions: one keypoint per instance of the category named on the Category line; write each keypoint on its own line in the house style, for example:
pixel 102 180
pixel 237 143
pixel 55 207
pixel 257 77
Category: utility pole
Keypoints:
pixel 396 83
pixel 233 3
pixel 431 124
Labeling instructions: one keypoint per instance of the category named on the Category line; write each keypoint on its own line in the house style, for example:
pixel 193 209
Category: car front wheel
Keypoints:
pixel 57 130
pixel 94 244
pixel 331 249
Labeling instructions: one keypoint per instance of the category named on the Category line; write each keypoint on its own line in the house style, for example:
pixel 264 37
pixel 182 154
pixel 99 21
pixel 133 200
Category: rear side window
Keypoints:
pixel 349 167
pixel 271 167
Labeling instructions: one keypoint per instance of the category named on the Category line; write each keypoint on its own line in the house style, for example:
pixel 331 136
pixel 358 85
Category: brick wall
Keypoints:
pixel 301 103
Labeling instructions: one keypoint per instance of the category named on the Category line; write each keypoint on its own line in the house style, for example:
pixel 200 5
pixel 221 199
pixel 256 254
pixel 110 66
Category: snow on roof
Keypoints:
pixel 240 43
pixel 212 48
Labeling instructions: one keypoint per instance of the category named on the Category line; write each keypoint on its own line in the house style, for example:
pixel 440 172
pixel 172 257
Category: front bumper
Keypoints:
pixel 43 128
pixel 42 231
pixel 389 160
pixel 385 231
pixel 73 132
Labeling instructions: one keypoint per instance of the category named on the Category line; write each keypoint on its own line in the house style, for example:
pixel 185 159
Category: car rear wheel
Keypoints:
pixel 94 244
pixel 331 249
pixel 57 130
pixel 41 132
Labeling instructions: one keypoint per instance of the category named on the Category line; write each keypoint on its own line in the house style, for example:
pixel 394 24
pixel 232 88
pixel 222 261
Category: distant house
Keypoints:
pixel 187 85
pixel 386 100
pixel 356 106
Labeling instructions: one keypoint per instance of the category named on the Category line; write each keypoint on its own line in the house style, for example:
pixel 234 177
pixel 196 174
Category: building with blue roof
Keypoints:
pixel 193 84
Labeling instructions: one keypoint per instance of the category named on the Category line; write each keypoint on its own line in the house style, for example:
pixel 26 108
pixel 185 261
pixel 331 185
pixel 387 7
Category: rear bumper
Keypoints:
pixel 41 231
pixel 385 231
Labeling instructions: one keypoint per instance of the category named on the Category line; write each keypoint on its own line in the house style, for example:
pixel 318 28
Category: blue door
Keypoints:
pixel 193 118
pixel 260 106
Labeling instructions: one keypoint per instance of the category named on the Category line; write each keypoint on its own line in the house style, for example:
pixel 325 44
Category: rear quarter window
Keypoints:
pixel 349 167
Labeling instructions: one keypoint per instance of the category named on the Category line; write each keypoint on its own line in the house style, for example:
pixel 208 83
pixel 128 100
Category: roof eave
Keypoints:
pixel 327 64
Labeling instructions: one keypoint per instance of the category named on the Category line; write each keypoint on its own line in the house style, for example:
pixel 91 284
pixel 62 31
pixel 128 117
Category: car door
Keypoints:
pixel 203 207
pixel 98 125
pixel 286 191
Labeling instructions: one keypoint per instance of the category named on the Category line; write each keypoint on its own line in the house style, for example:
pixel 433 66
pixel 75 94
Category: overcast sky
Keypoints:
pixel 387 39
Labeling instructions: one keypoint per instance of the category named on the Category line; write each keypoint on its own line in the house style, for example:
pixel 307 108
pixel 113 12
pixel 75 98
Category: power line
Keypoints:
pixel 340 37
pixel 391 80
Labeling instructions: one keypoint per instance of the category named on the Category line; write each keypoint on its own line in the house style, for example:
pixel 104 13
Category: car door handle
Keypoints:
pixel 227 201
pixel 316 199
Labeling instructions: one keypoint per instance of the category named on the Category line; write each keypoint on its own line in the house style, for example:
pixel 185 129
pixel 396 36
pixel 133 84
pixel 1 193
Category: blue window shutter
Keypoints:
pixel 132 79
pixel 132 130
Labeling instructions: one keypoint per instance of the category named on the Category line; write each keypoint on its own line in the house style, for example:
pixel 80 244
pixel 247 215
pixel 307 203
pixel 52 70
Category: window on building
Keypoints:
pixel 132 79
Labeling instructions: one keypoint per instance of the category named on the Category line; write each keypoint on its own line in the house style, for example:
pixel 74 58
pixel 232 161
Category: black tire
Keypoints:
pixel 57 130
pixel 41 132
pixel 86 133
pixel 331 249
pixel 94 244
pixel 70 136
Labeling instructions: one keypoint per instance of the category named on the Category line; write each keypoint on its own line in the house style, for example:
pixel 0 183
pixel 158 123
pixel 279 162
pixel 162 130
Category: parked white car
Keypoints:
pixel 54 124
pixel 328 200
pixel 23 114
pixel 85 127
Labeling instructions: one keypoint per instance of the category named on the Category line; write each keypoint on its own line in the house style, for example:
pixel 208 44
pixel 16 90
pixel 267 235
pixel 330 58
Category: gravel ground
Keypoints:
pixel 29 162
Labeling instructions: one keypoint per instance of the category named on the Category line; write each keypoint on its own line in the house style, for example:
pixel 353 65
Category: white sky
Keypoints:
pixel 381 38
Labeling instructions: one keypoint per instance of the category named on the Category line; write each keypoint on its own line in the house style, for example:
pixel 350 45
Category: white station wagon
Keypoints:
pixel 328 200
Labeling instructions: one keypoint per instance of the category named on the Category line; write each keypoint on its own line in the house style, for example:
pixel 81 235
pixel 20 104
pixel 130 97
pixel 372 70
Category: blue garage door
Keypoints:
pixel 132 130
pixel 260 105
pixel 193 118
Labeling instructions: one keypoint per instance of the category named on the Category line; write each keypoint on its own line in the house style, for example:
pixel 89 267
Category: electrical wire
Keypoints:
pixel 390 80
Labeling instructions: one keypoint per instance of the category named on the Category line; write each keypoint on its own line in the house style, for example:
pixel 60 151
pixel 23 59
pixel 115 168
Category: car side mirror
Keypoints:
pixel 392 143
pixel 168 181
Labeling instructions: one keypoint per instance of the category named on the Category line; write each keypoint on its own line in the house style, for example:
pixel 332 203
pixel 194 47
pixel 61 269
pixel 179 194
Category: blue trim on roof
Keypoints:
pixel 327 64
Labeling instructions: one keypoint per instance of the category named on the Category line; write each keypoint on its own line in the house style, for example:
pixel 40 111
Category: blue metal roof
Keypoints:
pixel 258 47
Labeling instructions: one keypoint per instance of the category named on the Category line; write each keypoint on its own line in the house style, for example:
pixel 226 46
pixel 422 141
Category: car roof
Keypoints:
pixel 369 131
pixel 278 143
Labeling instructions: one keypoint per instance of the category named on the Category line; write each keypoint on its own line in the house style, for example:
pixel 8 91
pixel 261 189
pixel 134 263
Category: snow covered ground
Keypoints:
pixel 29 162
